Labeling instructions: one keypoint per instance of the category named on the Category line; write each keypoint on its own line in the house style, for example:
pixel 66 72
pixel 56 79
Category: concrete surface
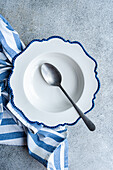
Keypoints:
pixel 91 23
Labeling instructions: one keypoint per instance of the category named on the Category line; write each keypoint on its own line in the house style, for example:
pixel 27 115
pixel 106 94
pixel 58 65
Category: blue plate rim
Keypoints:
pixel 66 41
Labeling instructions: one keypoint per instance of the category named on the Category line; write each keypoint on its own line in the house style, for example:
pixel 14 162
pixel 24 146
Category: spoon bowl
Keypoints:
pixel 51 74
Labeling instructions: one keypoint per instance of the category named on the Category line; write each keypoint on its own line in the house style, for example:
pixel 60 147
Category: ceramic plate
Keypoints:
pixel 46 104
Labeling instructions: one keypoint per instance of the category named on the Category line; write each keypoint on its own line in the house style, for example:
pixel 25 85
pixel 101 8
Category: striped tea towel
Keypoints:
pixel 48 146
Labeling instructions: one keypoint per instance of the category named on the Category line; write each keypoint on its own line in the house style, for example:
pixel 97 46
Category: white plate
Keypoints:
pixel 47 104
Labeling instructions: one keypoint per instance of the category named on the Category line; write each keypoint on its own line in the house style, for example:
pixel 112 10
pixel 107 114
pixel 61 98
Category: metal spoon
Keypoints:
pixel 53 77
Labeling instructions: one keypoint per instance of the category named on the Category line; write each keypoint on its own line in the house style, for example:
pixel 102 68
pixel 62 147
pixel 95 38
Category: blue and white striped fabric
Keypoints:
pixel 48 146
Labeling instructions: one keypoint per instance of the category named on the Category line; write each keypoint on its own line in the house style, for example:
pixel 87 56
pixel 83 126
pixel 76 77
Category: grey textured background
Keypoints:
pixel 91 23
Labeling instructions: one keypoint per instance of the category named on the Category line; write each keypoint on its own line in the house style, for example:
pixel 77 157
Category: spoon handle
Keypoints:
pixel 86 120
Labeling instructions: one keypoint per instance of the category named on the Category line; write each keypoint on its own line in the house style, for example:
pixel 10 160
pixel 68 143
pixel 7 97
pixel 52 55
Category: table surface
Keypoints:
pixel 91 23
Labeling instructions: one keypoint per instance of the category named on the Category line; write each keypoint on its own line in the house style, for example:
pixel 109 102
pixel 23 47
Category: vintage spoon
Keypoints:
pixel 53 77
